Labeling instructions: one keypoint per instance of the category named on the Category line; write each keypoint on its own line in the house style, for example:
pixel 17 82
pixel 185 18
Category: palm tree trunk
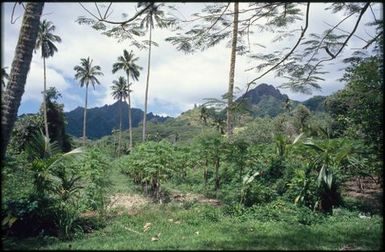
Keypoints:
pixel 20 67
pixel 232 73
pixel 85 118
pixel 120 127
pixel 146 95
pixel 45 108
pixel 129 113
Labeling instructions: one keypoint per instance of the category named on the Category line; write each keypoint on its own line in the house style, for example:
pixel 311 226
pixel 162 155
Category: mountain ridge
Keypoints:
pixel 263 100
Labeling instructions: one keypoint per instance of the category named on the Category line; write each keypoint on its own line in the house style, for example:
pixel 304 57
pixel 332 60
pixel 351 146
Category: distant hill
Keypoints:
pixel 102 120
pixel 263 100
pixel 316 103
pixel 266 100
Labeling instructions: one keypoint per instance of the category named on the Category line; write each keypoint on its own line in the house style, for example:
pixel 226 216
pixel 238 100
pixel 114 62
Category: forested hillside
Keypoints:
pixel 104 119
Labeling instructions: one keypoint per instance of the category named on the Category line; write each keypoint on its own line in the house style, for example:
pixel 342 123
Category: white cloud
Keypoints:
pixel 34 85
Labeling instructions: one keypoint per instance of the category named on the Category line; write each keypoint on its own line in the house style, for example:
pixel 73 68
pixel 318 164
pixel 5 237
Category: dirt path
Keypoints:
pixel 131 203
pixel 192 197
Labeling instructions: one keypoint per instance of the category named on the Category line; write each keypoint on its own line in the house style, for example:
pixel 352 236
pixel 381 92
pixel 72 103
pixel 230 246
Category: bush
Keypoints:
pixel 64 186
pixel 278 210
pixel 258 193
pixel 150 164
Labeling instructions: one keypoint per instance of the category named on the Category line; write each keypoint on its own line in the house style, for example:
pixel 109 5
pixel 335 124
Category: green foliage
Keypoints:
pixel 56 120
pixel 274 211
pixel 24 130
pixel 258 131
pixel 358 108
pixel 64 185
pixel 150 164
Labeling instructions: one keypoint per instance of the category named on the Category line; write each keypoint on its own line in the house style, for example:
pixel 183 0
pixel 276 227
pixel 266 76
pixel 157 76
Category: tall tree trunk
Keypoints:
pixel 85 118
pixel 232 73
pixel 45 108
pixel 20 67
pixel 129 113
pixel 217 176
pixel 120 127
pixel 146 95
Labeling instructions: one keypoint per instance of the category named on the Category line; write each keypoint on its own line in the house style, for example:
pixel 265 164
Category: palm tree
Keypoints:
pixel 86 74
pixel 127 64
pixel 45 42
pixel 120 92
pixel 152 15
pixel 20 67
pixel 230 105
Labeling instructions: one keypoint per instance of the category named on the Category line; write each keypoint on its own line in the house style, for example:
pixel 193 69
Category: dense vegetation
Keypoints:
pixel 277 178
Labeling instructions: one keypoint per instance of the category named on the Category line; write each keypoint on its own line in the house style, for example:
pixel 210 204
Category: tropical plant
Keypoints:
pixel 25 128
pixel 57 120
pixel 120 92
pixel 20 67
pixel 328 160
pixel 128 65
pixel 45 42
pixel 152 15
pixel 150 164
pixel 86 74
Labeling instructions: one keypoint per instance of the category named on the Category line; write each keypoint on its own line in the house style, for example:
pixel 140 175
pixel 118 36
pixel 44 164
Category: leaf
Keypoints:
pixel 298 137
pixel 297 199
pixel 329 180
pixel 321 175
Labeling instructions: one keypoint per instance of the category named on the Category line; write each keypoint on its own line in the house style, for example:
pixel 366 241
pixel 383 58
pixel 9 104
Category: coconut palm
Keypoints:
pixel 86 74
pixel 120 92
pixel 152 15
pixel 20 67
pixel 45 41
pixel 127 64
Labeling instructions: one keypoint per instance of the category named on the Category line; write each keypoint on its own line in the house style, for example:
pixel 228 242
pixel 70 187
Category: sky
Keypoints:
pixel 177 81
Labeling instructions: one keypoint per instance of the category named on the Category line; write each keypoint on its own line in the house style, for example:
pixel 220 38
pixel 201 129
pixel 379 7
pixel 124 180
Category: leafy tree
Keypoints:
pixel 86 74
pixel 213 25
pixel 359 106
pixel 56 120
pixel 302 116
pixel 25 128
pixel 45 42
pixel 20 67
pixel 128 65
pixel 120 92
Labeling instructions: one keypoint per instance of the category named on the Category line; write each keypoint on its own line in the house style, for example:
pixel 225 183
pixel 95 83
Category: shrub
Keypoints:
pixel 150 164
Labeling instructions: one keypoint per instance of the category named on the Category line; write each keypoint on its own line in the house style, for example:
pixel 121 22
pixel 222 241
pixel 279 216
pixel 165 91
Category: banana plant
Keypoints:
pixel 282 144
pixel 328 160
pixel 247 179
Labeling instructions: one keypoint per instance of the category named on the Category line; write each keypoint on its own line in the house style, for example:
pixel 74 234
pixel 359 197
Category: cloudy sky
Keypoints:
pixel 177 81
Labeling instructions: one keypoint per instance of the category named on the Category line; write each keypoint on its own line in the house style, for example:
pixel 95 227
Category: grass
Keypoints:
pixel 204 227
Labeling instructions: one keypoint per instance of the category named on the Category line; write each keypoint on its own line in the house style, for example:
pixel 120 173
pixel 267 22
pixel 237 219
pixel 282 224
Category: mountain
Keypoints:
pixel 102 120
pixel 266 100
pixel 263 100
pixel 315 103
